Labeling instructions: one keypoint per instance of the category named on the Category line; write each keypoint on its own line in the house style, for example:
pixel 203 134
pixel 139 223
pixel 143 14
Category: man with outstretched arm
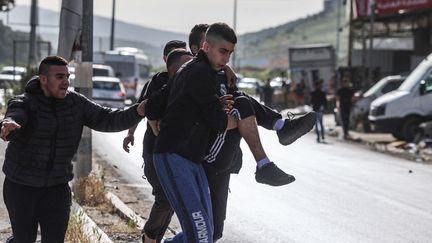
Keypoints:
pixel 44 127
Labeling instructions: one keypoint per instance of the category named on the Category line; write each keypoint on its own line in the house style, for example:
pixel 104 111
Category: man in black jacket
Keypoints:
pixel 44 127
pixel 161 211
pixel 193 110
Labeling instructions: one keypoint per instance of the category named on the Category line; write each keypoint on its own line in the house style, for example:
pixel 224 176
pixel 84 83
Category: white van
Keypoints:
pixel 401 111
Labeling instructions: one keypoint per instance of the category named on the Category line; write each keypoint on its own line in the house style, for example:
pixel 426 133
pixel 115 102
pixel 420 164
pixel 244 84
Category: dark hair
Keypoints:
pixel 173 44
pixel 49 61
pixel 221 31
pixel 175 55
pixel 196 33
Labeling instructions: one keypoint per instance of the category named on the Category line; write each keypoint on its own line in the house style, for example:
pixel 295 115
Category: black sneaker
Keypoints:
pixel 296 127
pixel 10 239
pixel 271 175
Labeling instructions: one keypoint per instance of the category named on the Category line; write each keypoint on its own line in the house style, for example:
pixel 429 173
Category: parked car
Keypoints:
pixel 108 91
pixel 11 70
pixel 100 70
pixel 280 86
pixel 103 70
pixel 360 109
pixel 249 85
pixel 10 74
pixel 401 111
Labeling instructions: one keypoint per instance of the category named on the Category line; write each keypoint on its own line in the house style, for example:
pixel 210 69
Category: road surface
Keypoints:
pixel 343 193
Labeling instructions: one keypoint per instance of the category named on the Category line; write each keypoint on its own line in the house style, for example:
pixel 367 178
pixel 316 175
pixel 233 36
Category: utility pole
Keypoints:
pixel 350 34
pixel 112 25
pixel 338 14
pixel 371 38
pixel 32 44
pixel 70 30
pixel 83 83
pixel 235 29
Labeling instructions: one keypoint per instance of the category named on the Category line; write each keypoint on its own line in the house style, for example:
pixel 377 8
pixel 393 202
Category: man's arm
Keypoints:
pixel 105 119
pixel 202 91
pixel 129 138
pixel 157 102
pixel 15 117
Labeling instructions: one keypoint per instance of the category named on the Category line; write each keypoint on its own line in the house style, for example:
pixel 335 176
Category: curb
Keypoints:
pixel 124 211
pixel 90 228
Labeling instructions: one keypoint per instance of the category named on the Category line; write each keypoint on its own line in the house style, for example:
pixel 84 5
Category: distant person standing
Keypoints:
pixel 268 93
pixel 299 92
pixel 344 96
pixel 319 104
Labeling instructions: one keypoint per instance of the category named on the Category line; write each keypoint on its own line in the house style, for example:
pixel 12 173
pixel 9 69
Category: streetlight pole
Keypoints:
pixel 112 25
pixel 371 37
pixel 338 13
pixel 235 28
pixel 33 24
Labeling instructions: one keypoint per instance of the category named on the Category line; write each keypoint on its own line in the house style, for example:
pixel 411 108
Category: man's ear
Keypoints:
pixel 206 46
pixel 43 78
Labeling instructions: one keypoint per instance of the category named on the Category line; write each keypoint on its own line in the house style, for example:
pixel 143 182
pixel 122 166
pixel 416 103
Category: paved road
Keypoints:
pixel 343 193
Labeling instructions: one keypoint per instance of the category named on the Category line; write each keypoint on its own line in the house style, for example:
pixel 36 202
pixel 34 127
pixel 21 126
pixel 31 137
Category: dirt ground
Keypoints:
pixel 138 201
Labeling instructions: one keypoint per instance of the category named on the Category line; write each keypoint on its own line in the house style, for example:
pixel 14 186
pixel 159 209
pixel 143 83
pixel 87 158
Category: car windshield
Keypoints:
pixel 375 88
pixel 122 69
pixel 101 72
pixel 416 75
pixel 106 85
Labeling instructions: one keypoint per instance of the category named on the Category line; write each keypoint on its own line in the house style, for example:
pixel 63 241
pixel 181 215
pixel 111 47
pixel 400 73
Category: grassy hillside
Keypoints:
pixel 269 47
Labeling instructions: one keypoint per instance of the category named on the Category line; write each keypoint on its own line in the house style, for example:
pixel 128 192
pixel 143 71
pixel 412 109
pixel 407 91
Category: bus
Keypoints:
pixel 131 66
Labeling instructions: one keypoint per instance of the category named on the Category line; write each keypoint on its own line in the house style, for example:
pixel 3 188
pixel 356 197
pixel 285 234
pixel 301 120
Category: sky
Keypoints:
pixel 181 15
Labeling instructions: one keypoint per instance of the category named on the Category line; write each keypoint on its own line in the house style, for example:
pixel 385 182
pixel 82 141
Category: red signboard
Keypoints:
pixel 391 7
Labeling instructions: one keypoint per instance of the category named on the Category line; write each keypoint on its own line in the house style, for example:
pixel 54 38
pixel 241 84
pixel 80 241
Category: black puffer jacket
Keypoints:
pixel 40 153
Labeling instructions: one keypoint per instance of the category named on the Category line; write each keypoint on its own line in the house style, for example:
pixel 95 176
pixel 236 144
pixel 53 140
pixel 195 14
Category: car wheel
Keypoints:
pixel 398 136
pixel 410 128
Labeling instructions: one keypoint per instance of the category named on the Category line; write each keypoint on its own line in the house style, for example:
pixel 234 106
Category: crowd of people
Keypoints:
pixel 194 100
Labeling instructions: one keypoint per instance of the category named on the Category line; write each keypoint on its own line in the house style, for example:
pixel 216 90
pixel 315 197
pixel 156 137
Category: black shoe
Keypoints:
pixel 271 175
pixel 296 127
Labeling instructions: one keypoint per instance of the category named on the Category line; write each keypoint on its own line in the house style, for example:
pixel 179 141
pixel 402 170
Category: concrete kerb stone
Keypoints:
pixel 127 213
pixel 124 211
pixel 90 228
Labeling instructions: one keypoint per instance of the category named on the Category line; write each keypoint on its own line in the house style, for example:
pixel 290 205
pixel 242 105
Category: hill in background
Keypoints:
pixel 264 49
pixel 269 47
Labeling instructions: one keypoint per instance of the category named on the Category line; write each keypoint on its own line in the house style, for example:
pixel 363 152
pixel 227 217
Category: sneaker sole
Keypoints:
pixel 310 123
pixel 292 179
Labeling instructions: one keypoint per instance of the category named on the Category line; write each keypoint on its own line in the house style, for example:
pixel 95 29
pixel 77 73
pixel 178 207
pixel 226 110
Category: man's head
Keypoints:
pixel 219 44
pixel 175 59
pixel 197 37
pixel 54 76
pixel 171 45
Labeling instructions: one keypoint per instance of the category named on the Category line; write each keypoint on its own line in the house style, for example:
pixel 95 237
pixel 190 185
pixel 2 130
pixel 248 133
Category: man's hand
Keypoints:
pixel 8 126
pixel 141 108
pixel 231 76
pixel 155 126
pixel 226 102
pixel 128 139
